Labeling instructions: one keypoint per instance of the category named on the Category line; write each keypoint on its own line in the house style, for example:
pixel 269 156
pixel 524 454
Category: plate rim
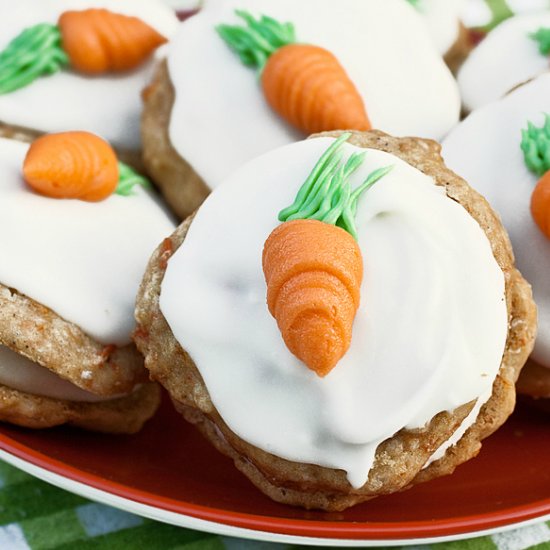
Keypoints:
pixel 236 524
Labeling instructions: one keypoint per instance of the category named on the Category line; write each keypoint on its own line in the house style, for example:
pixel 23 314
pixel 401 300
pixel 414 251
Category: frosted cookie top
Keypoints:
pixel 507 57
pixel 442 20
pixel 219 103
pixel 83 260
pixel 430 287
pixel 107 105
pixel 478 13
pixel 485 149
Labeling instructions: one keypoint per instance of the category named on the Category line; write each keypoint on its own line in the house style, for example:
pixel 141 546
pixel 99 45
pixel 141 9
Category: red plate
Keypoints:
pixel 170 467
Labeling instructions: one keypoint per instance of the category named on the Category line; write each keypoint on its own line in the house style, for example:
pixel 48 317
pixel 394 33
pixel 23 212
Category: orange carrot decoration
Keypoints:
pixel 304 84
pixel 99 41
pixel 313 265
pixel 77 165
pixel 92 41
pixel 540 204
pixel 535 144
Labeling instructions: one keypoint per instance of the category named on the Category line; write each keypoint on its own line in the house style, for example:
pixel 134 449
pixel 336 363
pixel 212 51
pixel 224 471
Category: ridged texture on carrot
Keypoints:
pixel 75 165
pixel 313 272
pixel 540 204
pixel 99 41
pixel 309 88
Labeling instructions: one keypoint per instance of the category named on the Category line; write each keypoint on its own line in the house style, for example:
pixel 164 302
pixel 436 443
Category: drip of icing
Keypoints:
pixel 431 287
pixel 82 260
pixel 485 150
pixel 107 105
pixel 402 98
pixel 462 429
pixel 21 374
pixel 506 58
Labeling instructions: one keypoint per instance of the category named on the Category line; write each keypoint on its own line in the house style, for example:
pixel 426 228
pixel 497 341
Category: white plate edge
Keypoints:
pixel 189 522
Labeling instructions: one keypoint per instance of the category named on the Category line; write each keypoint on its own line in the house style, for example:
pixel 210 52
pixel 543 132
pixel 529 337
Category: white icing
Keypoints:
pixel 83 260
pixel 462 429
pixel 431 288
pixel 184 4
pixel 443 21
pixel 485 150
pixel 21 374
pixel 505 58
pixel 219 104
pixel 106 105
pixel 476 13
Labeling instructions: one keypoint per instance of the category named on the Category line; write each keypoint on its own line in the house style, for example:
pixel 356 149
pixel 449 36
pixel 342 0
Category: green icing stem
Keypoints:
pixel 500 11
pixel 326 195
pixel 35 52
pixel 128 179
pixel 535 144
pixel 256 41
pixel 542 36
pixel 415 3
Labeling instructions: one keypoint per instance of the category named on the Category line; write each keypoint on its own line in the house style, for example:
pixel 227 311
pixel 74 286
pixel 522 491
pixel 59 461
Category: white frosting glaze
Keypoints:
pixel 462 429
pixel 505 58
pixel 21 374
pixel 219 104
pixel 83 260
pixel 184 4
pixel 431 288
pixel 476 13
pixel 485 150
pixel 106 105
pixel 443 21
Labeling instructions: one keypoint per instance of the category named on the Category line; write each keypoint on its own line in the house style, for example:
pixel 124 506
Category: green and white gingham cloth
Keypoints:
pixel 37 516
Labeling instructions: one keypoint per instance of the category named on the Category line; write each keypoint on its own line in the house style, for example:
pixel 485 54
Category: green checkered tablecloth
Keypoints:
pixel 37 516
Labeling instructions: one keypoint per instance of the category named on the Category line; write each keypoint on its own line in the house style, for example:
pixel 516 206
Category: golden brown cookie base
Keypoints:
pixel 399 459
pixel 39 334
pixel 534 381
pixel 26 135
pixel 123 415
pixel 183 189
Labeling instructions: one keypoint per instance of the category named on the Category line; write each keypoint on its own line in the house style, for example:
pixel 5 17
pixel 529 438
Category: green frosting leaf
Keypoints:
pixel 326 195
pixel 415 3
pixel 500 11
pixel 535 144
pixel 256 41
pixel 542 36
pixel 35 52
pixel 128 179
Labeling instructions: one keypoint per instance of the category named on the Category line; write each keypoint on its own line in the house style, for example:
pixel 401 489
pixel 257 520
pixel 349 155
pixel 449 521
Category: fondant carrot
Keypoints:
pixel 313 272
pixel 540 204
pixel 313 265
pixel 535 144
pixel 91 41
pixel 77 165
pixel 304 84
pixel 99 41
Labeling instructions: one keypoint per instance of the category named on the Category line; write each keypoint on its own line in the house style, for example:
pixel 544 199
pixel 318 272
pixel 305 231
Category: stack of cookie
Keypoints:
pixel 338 311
